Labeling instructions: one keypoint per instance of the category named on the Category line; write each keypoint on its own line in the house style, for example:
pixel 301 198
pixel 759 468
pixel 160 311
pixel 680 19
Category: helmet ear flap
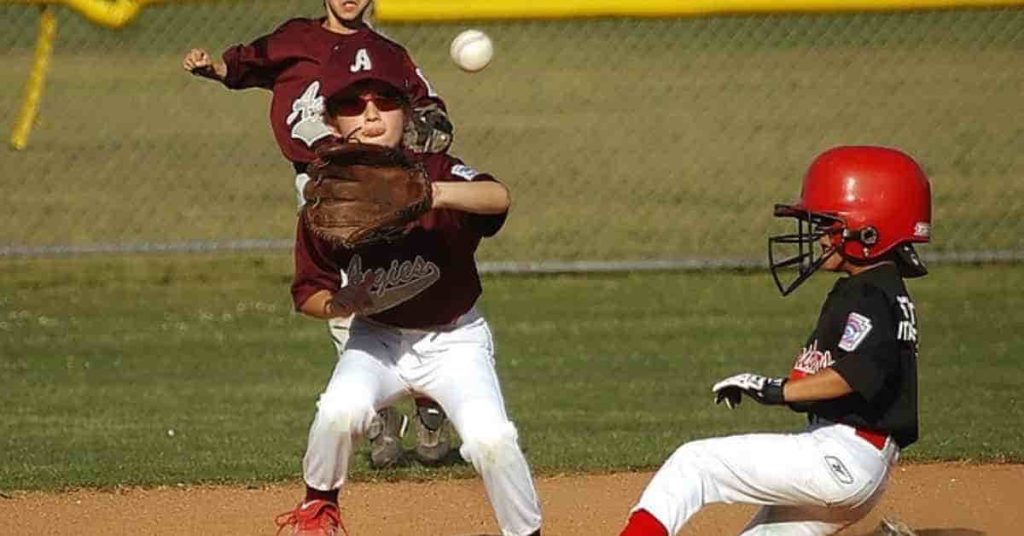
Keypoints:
pixel 909 262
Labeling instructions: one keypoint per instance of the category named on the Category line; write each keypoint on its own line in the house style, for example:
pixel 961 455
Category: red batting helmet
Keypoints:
pixel 873 202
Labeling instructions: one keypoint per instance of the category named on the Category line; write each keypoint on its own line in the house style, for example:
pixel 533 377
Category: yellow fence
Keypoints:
pixel 117 13
pixel 436 10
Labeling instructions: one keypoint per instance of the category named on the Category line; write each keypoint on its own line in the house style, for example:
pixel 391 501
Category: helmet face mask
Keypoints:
pixel 802 251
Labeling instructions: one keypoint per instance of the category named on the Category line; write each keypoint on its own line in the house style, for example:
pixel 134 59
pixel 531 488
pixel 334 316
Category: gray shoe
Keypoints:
pixel 894 527
pixel 433 434
pixel 386 431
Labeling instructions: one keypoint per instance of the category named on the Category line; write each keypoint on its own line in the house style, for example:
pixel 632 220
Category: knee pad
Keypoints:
pixel 344 414
pixel 491 445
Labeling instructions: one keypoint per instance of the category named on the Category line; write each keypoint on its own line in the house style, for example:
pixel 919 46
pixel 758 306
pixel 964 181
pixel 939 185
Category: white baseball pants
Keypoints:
pixel 812 483
pixel 455 367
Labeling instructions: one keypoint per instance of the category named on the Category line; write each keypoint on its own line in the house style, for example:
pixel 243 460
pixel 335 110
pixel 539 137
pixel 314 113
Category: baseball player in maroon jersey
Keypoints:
pixel 416 327
pixel 288 62
pixel 860 212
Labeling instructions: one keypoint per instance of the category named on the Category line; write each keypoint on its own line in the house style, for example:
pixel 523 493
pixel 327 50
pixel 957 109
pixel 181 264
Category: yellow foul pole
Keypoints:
pixel 36 79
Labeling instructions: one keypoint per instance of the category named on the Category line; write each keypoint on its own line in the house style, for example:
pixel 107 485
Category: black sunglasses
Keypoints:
pixel 355 105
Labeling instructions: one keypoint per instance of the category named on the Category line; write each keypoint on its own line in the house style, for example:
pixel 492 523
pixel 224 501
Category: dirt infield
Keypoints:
pixel 937 499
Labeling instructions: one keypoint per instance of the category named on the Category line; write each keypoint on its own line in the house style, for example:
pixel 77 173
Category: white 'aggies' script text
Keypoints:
pixel 398 283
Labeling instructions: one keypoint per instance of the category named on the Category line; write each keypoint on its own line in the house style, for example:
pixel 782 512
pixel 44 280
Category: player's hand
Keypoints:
pixel 199 62
pixel 352 298
pixel 762 389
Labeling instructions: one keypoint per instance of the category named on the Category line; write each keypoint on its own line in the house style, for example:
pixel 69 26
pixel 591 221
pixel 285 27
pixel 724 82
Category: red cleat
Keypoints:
pixel 642 523
pixel 313 518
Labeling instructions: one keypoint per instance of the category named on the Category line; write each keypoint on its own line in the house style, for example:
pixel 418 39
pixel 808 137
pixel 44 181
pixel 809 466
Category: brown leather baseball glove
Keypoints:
pixel 360 194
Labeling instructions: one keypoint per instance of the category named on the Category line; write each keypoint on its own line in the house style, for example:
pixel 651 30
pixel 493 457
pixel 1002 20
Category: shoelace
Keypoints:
pixel 291 518
pixel 286 519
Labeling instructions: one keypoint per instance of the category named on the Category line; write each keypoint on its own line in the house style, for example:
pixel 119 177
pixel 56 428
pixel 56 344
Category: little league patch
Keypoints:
pixel 856 330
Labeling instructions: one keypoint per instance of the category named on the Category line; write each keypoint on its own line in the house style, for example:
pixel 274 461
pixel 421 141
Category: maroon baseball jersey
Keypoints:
pixel 288 62
pixel 426 278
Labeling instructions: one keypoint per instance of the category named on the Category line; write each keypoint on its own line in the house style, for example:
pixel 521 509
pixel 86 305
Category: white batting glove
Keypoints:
pixel 762 389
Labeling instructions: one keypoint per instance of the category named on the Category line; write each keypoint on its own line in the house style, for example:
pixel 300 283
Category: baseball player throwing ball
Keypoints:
pixel 416 329
pixel 288 62
pixel 860 212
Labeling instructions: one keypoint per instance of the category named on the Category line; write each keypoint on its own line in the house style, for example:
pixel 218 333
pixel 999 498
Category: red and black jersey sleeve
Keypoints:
pixel 870 330
pixel 315 266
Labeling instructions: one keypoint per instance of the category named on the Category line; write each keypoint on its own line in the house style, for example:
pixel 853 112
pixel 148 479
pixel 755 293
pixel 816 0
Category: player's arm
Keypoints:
pixel 199 62
pixel 866 358
pixel 475 197
pixel 243 66
pixel 259 63
pixel 824 385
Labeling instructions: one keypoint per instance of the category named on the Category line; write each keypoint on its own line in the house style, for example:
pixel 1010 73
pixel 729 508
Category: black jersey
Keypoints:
pixel 867 332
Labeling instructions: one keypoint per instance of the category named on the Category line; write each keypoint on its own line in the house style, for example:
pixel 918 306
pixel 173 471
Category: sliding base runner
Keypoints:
pixel 860 212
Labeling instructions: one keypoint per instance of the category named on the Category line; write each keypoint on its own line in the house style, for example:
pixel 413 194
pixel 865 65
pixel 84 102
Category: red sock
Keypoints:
pixel 642 523
pixel 317 495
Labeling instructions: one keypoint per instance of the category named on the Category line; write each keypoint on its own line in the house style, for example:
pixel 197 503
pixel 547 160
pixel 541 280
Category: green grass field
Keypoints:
pixel 101 356
pixel 620 139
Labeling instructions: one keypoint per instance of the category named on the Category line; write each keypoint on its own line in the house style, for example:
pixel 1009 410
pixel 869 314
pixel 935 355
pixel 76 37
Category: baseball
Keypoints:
pixel 472 50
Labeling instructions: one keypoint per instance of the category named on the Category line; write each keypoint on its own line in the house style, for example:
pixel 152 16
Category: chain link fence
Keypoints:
pixel 623 140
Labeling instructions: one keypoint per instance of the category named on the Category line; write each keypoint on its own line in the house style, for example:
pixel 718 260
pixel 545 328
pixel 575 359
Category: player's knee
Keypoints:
pixel 344 413
pixel 687 457
pixel 492 445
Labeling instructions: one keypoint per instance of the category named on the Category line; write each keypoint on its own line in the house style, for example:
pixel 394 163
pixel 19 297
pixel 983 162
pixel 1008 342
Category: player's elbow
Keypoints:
pixel 496 197
pixel 307 308
pixel 485 198
pixel 315 305
pixel 504 198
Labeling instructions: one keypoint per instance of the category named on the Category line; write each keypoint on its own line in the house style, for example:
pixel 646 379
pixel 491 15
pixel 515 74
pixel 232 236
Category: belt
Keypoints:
pixel 876 438
pixel 466 318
